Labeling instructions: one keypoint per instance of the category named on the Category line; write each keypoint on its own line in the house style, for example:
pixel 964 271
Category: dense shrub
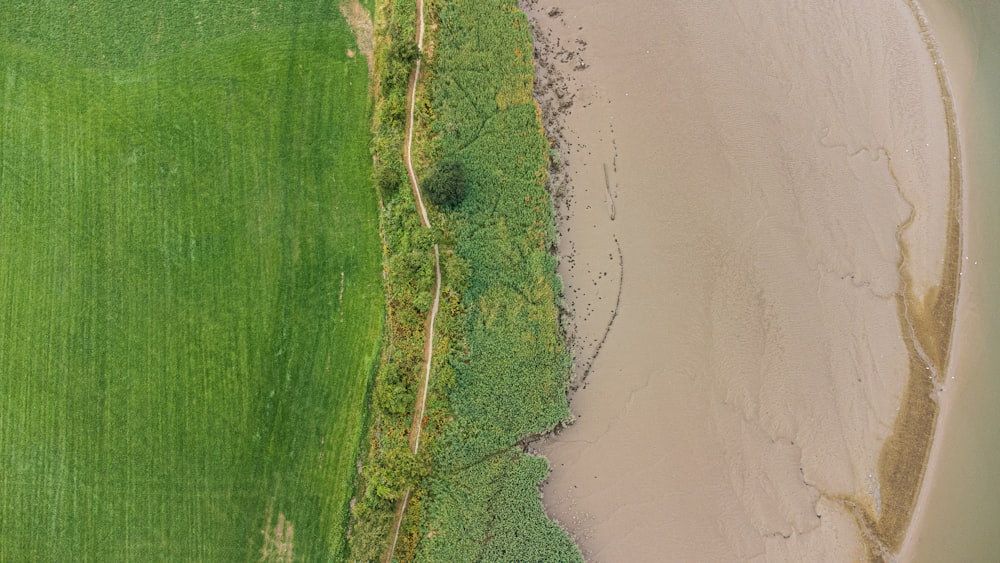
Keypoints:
pixel 389 468
pixel 399 59
pixel 389 179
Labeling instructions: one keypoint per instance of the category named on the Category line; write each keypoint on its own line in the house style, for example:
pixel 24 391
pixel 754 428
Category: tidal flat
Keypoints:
pixel 760 232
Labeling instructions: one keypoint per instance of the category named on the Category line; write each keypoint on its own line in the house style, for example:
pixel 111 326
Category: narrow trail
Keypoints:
pixel 411 96
pixel 418 411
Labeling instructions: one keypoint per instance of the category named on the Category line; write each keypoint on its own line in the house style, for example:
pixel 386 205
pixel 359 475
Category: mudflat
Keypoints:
pixel 759 224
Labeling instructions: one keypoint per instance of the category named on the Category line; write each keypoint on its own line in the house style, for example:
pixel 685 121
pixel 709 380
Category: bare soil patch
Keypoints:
pixel 360 22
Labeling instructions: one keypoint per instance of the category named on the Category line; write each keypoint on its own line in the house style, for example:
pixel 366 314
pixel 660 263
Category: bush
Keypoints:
pixel 445 187
pixel 389 179
pixel 399 60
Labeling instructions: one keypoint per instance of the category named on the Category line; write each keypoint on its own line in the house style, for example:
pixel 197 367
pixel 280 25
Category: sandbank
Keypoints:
pixel 757 214
pixel 956 512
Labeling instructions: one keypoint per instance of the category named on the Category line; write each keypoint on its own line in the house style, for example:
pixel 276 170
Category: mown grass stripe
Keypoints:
pixel 178 206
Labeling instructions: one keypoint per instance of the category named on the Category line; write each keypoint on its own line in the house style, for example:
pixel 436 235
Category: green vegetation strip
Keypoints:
pixel 503 369
pixel 511 375
pixel 190 292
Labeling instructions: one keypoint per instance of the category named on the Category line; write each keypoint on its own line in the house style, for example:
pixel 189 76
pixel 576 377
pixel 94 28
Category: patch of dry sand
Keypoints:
pixel 769 166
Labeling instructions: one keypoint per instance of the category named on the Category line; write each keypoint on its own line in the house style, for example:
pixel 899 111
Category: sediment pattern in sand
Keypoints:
pixel 761 197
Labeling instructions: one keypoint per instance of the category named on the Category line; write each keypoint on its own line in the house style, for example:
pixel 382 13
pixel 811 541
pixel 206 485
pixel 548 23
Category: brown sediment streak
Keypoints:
pixel 927 322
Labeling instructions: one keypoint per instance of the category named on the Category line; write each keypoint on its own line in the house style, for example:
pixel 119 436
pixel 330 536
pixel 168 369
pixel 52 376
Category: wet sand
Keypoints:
pixel 956 516
pixel 753 205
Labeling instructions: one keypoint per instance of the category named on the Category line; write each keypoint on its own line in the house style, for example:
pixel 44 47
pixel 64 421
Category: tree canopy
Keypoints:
pixel 445 186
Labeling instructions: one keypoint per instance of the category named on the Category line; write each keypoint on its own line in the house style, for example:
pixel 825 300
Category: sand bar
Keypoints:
pixel 767 240
pixel 957 511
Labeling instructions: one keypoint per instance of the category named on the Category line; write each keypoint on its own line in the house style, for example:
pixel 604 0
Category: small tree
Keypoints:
pixel 445 186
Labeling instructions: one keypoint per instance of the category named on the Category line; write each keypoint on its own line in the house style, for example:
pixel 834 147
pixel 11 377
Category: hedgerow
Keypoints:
pixel 388 468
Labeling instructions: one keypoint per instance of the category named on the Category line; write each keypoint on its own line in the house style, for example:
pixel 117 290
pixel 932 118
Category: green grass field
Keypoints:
pixel 190 290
